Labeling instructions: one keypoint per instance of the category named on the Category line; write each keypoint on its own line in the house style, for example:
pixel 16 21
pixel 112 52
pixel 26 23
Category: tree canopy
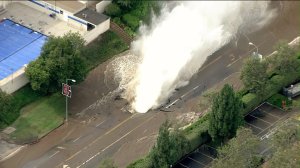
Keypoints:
pixel 170 146
pixel 241 151
pixel 285 60
pixel 225 115
pixel 60 59
pixel 286 144
pixel 254 75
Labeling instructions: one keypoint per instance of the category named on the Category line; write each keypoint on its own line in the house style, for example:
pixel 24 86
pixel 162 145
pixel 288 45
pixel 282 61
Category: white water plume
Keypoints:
pixel 181 39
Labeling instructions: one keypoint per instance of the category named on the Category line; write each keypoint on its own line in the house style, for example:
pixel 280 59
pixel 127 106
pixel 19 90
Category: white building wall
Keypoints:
pixel 101 5
pixel 93 34
pixel 14 82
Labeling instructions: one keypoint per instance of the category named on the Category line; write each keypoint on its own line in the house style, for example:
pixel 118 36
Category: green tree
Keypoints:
pixel 286 135
pixel 107 163
pixel 287 157
pixel 113 10
pixel 241 151
pixel 225 115
pixel 286 144
pixel 60 59
pixel 285 60
pixel 254 75
pixel 170 146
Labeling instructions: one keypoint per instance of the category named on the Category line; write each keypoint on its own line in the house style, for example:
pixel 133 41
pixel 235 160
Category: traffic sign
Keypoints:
pixel 66 90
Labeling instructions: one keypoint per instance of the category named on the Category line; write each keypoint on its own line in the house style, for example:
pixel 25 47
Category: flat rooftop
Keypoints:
pixel 91 16
pixel 72 6
pixel 19 46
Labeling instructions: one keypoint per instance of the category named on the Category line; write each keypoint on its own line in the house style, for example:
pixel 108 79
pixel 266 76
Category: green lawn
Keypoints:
pixel 39 118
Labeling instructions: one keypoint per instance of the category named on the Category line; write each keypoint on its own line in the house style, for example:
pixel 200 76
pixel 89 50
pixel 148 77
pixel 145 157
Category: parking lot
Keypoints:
pixel 263 121
pixel 202 157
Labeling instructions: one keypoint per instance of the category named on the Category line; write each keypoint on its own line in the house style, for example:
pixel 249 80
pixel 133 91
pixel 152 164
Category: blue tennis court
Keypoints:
pixel 19 45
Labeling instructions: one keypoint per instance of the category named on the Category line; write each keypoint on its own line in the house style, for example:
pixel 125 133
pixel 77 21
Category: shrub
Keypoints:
pixel 132 21
pixel 197 133
pixel 118 21
pixel 113 10
pixel 250 101
pixel 277 100
pixel 7 110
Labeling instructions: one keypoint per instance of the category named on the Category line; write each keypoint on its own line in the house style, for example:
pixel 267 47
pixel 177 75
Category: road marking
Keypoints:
pixel 269 114
pixel 114 142
pixel 100 124
pixel 205 155
pixel 254 126
pixel 53 154
pixel 259 119
pixel 181 97
pixel 77 139
pixel 172 103
pixel 184 165
pixel 234 62
pixel 196 161
pixel 272 124
pixel 215 60
pixel 111 130
pixel 60 147
pixel 14 152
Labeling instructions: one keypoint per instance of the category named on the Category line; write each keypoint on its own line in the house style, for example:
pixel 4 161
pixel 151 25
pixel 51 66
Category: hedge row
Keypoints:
pixel 276 83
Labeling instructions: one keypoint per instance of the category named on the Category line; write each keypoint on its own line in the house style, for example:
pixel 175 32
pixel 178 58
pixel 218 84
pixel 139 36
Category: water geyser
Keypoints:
pixel 178 42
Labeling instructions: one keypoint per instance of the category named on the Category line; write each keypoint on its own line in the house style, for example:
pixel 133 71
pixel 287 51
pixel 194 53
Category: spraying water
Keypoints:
pixel 178 42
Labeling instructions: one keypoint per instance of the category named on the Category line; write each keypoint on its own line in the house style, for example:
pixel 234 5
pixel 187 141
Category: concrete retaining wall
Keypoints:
pixel 93 34
pixel 101 5
pixel 14 82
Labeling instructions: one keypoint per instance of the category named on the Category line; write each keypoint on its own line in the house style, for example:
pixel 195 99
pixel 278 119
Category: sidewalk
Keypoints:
pixel 7 149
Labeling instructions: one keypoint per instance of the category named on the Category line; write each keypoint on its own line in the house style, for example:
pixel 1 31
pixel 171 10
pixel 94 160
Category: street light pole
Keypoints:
pixel 73 80
pixel 250 43
pixel 256 54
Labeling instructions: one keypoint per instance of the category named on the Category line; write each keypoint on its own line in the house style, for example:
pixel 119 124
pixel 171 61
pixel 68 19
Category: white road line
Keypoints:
pixel 11 154
pixel 205 155
pixel 254 126
pixel 77 139
pixel 196 161
pixel 100 124
pixel 181 97
pixel 60 147
pixel 189 91
pixel 172 103
pixel 272 124
pixel 184 165
pixel 259 119
pixel 53 154
pixel 114 142
pixel 234 62
pixel 269 114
